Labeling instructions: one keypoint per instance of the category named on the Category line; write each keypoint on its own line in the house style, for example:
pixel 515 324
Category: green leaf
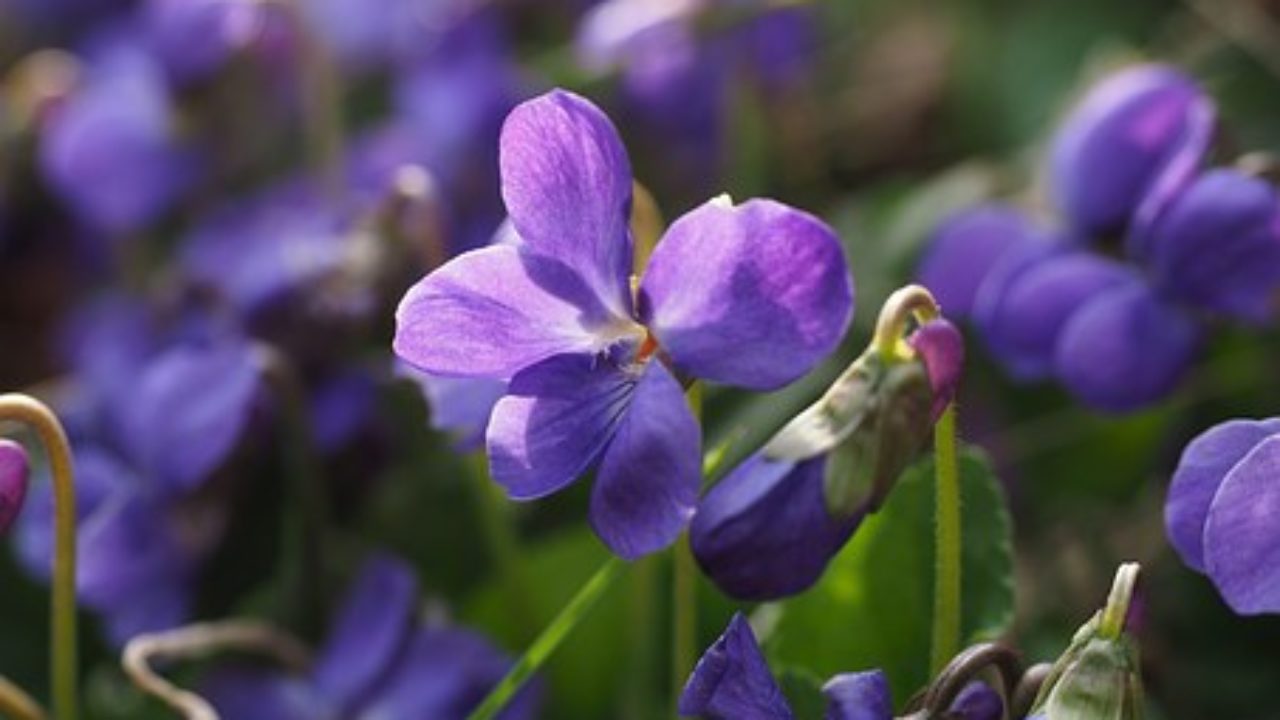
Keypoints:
pixel 872 608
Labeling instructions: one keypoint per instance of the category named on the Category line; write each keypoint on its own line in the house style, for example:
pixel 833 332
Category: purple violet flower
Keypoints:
pixel 195 38
pixel 111 150
pixel 1131 144
pixel 14 475
pixel 752 295
pixel 1221 508
pixel 378 661
pixel 732 681
pixel 964 249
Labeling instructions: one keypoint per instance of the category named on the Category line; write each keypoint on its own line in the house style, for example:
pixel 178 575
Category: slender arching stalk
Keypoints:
pixel 947 543
pixel 36 415
pixel 684 640
pixel 15 703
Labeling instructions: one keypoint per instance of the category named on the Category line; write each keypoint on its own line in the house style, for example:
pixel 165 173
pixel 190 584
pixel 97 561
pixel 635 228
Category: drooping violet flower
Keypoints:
pixel 751 295
pixel 111 150
pixel 1217 246
pixel 1129 146
pixel 768 529
pixel 1221 508
pixel 732 681
pixel 377 662
pixel 14 475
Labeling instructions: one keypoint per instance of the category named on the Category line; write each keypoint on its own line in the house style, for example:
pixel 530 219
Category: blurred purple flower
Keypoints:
pixel 1135 139
pixel 377 661
pixel 1217 246
pixel 459 406
pixel 964 249
pixel 14 475
pixel 194 38
pixel 732 681
pixel 111 150
pixel 1221 508
pixel 751 295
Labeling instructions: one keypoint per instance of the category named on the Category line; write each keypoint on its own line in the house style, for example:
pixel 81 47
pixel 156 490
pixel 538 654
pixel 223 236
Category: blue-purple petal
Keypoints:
pixel 370 633
pixel 256 694
pixel 752 295
pixel 764 531
pixel 732 681
pixel 566 182
pixel 965 248
pixel 1241 538
pixel 977 701
pixel 1217 246
pixel 1125 349
pixel 647 484
pixel 556 419
pixel 160 604
pixel 858 696
pixel 493 312
pixel 444 675
pixel 1201 470
pixel 1023 329
pixel 1119 142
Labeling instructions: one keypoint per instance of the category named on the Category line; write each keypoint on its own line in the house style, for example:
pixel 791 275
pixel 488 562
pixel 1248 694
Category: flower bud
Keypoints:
pixel 1098 678
pixel 14 473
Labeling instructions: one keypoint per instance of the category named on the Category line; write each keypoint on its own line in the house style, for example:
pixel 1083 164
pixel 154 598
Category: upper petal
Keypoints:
pixel 1125 349
pixel 555 420
pixel 566 182
pixel 1218 245
pixel 647 484
pixel 371 630
pixel 732 681
pixel 495 311
pixel 764 531
pixel 1119 141
pixel 965 248
pixel 1201 470
pixel 751 295
pixel 858 696
pixel 1241 536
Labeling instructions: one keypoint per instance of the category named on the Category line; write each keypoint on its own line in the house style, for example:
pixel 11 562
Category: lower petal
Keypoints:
pixel 858 696
pixel 1242 533
pixel 246 694
pixel 554 422
pixel 1125 349
pixel 1201 471
pixel 648 480
pixel 733 682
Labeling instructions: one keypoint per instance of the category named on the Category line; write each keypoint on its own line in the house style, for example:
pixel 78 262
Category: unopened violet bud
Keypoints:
pixel 1128 146
pixel 941 349
pixel 965 248
pixel 1217 246
pixel 14 475
pixel 1217 513
pixel 1098 677
pixel 733 682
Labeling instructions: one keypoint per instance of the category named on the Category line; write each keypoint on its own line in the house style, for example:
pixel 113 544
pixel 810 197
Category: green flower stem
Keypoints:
pixel 947 539
pixel 35 414
pixel 684 640
pixel 643 616
pixel 15 703
pixel 498 526
pixel 550 639
pixel 304 525
pixel 1117 609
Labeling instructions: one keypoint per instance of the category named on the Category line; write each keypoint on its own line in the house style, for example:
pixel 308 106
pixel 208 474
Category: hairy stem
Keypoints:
pixel 35 414
pixel 947 539
pixel 684 639
pixel 550 639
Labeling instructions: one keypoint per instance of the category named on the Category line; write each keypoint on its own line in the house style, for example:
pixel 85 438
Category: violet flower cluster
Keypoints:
pixel 750 295
pixel 1198 244
pixel 732 681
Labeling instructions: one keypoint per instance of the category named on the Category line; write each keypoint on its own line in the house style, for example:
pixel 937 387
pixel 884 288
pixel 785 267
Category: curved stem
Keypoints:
pixel 504 546
pixel 904 304
pixel 549 640
pixel 965 668
pixel 684 640
pixel 947 539
pixel 199 640
pixel 17 704
pixel 37 415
